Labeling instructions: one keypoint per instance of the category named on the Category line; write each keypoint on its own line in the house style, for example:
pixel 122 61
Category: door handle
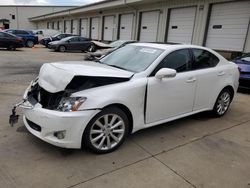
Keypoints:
pixel 191 80
pixel 221 73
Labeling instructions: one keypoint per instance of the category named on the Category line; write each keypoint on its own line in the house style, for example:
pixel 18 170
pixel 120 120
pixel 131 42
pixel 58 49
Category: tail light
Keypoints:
pixel 19 40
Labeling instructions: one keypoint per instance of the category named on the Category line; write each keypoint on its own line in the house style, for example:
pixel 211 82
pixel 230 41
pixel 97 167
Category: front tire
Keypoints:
pixel 106 131
pixel 62 48
pixel 222 103
pixel 92 48
pixel 30 43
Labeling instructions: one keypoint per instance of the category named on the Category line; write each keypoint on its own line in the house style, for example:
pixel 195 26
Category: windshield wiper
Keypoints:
pixel 117 67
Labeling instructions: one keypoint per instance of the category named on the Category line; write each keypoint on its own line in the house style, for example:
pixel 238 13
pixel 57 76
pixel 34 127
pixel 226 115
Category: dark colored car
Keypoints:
pixel 74 43
pixel 10 41
pixel 46 41
pixel 29 38
pixel 244 66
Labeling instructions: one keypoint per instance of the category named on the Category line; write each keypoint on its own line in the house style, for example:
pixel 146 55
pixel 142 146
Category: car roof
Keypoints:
pixel 166 46
pixel 8 33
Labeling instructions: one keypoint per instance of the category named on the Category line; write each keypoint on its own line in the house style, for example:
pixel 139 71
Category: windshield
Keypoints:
pixel 132 58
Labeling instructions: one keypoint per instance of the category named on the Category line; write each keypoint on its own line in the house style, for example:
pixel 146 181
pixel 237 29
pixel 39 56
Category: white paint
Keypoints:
pixel 233 18
pixel 126 26
pixel 95 28
pixel 181 25
pixel 84 26
pixel 108 28
pixel 149 26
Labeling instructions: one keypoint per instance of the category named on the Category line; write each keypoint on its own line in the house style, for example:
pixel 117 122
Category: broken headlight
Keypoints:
pixel 70 104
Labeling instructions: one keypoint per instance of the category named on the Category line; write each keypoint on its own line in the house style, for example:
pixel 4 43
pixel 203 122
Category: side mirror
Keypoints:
pixel 165 73
pixel 68 41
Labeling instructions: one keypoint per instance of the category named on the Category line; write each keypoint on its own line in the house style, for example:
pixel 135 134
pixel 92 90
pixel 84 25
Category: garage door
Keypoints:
pixel 228 26
pixel 95 28
pixel 126 25
pixel 75 27
pixel 181 25
pixel 108 28
pixel 55 26
pixel 84 26
pixel 49 25
pixel 67 26
pixel 61 26
pixel 149 26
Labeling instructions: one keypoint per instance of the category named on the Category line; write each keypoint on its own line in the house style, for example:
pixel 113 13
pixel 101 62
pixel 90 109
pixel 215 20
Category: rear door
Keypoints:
pixel 208 77
pixel 170 97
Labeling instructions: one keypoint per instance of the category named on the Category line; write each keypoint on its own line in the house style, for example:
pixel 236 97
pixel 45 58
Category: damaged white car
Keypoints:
pixel 95 105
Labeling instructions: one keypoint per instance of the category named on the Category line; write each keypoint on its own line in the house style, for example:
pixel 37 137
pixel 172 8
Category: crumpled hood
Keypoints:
pixel 55 77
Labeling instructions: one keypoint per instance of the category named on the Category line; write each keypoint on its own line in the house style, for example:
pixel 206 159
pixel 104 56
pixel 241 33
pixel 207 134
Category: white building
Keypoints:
pixel 222 25
pixel 17 17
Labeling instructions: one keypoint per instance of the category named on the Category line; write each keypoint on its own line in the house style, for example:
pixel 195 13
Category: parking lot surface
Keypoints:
pixel 198 151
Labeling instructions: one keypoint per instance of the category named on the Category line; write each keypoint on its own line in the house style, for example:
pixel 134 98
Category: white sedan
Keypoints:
pixel 95 105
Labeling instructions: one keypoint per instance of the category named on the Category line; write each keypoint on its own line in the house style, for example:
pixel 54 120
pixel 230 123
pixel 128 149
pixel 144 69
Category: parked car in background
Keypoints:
pixel 73 43
pixel 95 105
pixel 57 37
pixel 45 33
pixel 29 38
pixel 244 66
pixel 10 41
pixel 105 48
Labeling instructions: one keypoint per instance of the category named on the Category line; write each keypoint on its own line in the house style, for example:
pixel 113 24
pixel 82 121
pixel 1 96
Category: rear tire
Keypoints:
pixel 222 103
pixel 11 48
pixel 106 131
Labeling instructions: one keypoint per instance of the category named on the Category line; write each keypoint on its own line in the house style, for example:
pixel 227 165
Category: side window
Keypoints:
pixel 83 39
pixel 178 60
pixel 11 31
pixel 74 39
pixel 203 59
pixel 2 34
pixel 21 32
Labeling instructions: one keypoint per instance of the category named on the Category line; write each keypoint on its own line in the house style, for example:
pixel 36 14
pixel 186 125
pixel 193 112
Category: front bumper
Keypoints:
pixel 45 123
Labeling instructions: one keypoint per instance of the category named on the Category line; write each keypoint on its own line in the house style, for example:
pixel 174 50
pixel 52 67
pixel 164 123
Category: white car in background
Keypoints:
pixel 95 105
pixel 44 33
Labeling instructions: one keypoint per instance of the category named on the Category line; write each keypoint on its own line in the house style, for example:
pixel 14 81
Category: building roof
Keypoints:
pixel 86 8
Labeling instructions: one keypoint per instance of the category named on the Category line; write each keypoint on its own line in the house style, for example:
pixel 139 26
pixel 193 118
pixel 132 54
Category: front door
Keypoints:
pixel 170 97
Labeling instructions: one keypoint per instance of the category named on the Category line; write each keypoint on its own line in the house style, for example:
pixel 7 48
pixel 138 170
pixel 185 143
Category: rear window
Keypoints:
pixel 203 59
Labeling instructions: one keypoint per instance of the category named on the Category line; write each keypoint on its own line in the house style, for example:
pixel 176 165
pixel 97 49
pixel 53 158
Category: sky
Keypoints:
pixel 47 2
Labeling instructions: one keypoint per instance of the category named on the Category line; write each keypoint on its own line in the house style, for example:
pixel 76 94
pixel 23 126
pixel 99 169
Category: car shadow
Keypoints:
pixel 17 50
pixel 244 90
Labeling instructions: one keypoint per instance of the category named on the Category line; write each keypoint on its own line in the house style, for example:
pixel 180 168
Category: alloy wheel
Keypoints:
pixel 107 132
pixel 223 103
